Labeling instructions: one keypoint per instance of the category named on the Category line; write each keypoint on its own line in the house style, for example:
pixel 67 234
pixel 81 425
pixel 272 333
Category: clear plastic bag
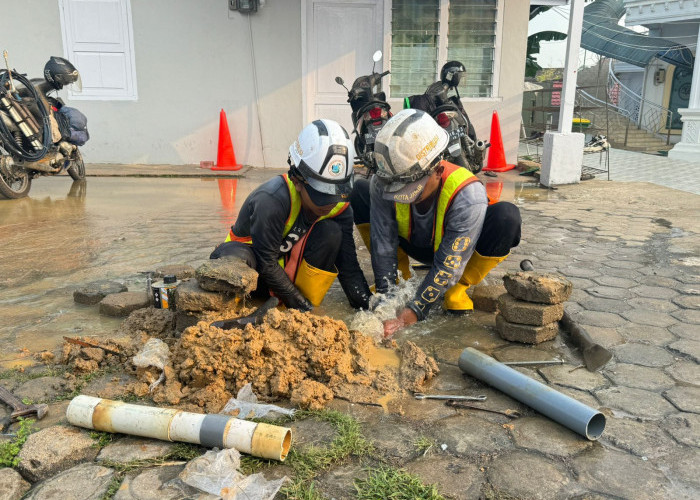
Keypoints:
pixel 155 353
pixel 247 406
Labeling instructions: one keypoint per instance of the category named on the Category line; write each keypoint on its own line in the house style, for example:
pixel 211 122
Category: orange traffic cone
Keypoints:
pixel 493 191
pixel 225 157
pixel 497 157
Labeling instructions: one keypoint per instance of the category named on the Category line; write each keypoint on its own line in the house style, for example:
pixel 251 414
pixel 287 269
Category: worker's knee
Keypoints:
pixel 501 230
pixel 323 245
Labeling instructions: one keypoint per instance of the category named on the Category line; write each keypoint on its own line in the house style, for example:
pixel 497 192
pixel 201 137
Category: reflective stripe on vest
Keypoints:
pixel 293 214
pixel 453 179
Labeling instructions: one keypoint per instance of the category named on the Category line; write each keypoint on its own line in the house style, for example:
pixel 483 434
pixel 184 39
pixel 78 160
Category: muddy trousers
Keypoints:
pixel 500 233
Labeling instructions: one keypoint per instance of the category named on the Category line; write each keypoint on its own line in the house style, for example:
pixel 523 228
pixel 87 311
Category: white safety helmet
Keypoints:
pixel 322 157
pixel 405 150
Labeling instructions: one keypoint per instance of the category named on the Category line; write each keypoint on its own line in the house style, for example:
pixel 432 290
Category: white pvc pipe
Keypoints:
pixel 211 430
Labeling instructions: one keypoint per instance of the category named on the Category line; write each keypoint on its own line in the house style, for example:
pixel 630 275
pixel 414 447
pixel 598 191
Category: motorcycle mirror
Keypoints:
pixel 377 56
pixel 339 80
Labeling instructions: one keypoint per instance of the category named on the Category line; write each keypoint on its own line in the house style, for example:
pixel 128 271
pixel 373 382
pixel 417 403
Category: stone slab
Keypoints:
pixel 643 439
pixel 649 317
pixel 159 483
pixel 43 389
pixel 546 436
pixel 689 348
pixel 683 466
pixel 591 303
pixel 581 379
pixel 526 475
pixel 227 274
pixel 312 432
pixel 485 297
pixel 636 402
pixel 685 428
pixel 122 304
pixel 180 271
pixel 94 292
pixel 684 398
pixel 190 298
pixel 454 477
pixel 526 334
pixel 482 438
pixel 610 292
pixel 598 318
pixel 688 301
pixel 84 482
pixel 132 448
pixel 545 288
pixel 339 482
pixel 657 305
pixel 12 486
pixel 685 331
pixel 687 316
pixel 528 313
pixel 640 377
pixel 53 450
pixel 654 292
pixel 393 438
pixel 645 333
pixel 685 372
pixel 615 281
pixel 642 354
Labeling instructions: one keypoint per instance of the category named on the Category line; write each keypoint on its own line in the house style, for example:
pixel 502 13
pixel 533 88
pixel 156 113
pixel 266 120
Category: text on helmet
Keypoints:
pixel 427 148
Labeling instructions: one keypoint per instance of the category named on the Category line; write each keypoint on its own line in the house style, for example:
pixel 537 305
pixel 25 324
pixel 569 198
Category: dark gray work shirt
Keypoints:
pixel 463 222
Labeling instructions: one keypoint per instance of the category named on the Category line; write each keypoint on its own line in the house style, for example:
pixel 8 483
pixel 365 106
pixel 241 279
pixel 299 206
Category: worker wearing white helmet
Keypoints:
pixel 296 229
pixel 435 212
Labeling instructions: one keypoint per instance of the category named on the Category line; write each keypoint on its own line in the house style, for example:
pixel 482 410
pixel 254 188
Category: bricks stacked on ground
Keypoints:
pixel 531 309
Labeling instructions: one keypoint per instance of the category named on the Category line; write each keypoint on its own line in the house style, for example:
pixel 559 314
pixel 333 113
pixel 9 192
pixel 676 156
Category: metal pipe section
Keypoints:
pixel 220 431
pixel 564 410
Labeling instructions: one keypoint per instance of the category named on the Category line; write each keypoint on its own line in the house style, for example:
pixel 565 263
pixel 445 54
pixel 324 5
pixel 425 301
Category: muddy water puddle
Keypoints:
pixel 67 234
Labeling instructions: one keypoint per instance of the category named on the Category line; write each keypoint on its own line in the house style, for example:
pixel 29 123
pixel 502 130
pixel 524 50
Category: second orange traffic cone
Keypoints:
pixel 225 157
pixel 497 156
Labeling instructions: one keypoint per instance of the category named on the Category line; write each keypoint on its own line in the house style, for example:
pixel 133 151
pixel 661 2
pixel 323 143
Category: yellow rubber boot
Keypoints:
pixel 456 298
pixel 313 283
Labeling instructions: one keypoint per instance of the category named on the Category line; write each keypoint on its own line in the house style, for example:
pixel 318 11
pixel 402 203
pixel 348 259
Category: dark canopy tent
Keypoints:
pixel 602 35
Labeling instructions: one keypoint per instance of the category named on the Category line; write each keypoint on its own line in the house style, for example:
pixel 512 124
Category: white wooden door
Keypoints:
pixel 340 38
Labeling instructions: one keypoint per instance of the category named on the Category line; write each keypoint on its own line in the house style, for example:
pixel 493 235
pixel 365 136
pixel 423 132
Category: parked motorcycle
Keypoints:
pixel 463 149
pixel 38 134
pixel 370 111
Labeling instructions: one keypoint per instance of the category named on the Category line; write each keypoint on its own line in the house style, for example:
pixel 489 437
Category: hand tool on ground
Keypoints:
pixel 456 397
pixel 507 413
pixel 255 318
pixel 19 409
pixel 83 343
pixel 595 356
pixel 529 363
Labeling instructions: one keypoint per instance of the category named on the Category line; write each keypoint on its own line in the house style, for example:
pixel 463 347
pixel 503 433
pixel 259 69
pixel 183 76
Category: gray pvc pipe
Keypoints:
pixel 564 410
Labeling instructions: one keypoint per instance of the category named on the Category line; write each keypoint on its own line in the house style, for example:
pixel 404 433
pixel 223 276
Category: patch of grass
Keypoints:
pixel 113 487
pixel 10 449
pixel 251 465
pixel 185 451
pixel 394 484
pixel 22 376
pixel 101 439
pixel 302 490
pixel 423 445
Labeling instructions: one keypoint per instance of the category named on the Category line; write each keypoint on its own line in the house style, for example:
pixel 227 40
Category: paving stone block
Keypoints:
pixel 598 318
pixel 393 439
pixel 688 301
pixel 684 427
pixel 121 304
pixel 527 334
pixel 453 476
pixel 581 379
pixel 543 480
pixel 688 289
pixel 546 436
pixel 180 271
pixel 643 439
pixel 85 481
pixel 623 264
pixel 630 274
pixel 688 316
pixel 131 448
pixel 682 466
pixel 636 402
pixel 12 486
pixel 528 313
pixel 647 317
pixel 545 288
pixel 158 483
pixel 312 432
pixel 640 377
pixel 94 292
pixel 227 274
pixel 190 298
pixel 684 398
pixel 43 389
pixel 609 292
pixel 482 438
pixel 685 331
pixel 619 474
pixel 485 297
pixel 657 305
pixel 53 450
pixel 689 348
pixel 646 333
pixel 591 303
pixel 685 372
pixel 645 355
pixel 339 482
pixel 654 292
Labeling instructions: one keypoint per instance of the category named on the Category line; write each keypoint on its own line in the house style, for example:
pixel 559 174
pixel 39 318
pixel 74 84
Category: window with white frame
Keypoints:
pixel 421 44
pixel 98 40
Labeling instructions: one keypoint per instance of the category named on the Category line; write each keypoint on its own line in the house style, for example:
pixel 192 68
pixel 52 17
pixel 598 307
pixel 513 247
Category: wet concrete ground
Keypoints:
pixel 631 250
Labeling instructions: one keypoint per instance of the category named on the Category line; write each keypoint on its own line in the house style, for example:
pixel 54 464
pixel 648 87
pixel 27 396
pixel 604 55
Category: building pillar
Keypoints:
pixel 562 154
pixel 688 148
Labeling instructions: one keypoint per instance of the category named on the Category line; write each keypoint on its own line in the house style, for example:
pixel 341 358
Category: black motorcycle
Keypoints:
pixel 463 149
pixel 38 134
pixel 370 112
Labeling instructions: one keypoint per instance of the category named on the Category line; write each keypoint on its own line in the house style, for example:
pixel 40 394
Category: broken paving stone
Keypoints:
pixel 580 379
pixel 546 436
pixel 393 437
pixel 94 292
pixel 121 304
pixel 636 402
pixel 470 435
pixel 180 271
pixel 130 448
pixel 160 483
pixel 684 398
pixel 485 297
pixel 685 428
pixel 12 486
pixel 528 313
pixel 190 298
pixel 227 274
pixel 525 475
pixel 685 372
pixel 43 389
pixel 453 477
pixel 683 466
pixel 642 439
pixel 641 377
pixel 687 347
pixel 619 474
pixel 645 355
pixel 544 288
pixel 85 481
pixel 527 334
pixel 53 450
